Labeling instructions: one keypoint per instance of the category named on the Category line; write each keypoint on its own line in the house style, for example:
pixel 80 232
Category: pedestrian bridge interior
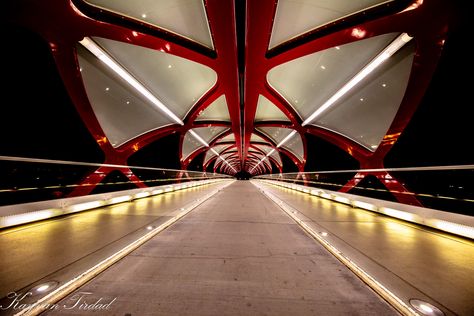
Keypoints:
pixel 236 157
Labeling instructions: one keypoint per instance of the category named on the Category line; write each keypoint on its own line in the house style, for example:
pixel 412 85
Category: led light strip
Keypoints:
pixel 102 55
pixel 95 49
pixel 91 164
pixel 379 288
pixel 287 138
pixel 202 141
pixel 199 138
pixel 283 141
pixel 430 168
pixel 391 49
pixel 450 227
pixel 33 216
pixel 67 288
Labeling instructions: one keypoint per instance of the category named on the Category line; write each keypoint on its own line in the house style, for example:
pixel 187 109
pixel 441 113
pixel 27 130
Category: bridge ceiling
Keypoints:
pixel 351 72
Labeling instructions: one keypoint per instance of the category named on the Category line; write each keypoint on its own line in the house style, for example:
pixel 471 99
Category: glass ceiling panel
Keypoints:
pixel 220 148
pixel 277 134
pixel 228 138
pixel 366 113
pixel 264 148
pixel 122 113
pixel 258 154
pixel 177 82
pixel 191 144
pixel 275 155
pixel 295 146
pixel 217 110
pixel 256 138
pixel 210 153
pixel 227 155
pixel 309 81
pixel 266 111
pixel 294 18
pixel 183 17
pixel 217 162
pixel 267 162
pixel 209 133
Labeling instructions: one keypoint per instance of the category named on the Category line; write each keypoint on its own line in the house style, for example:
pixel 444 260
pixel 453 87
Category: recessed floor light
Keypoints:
pixel 426 308
pixel 43 288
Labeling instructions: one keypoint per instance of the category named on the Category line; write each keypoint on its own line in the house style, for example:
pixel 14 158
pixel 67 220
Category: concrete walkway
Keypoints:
pixel 236 254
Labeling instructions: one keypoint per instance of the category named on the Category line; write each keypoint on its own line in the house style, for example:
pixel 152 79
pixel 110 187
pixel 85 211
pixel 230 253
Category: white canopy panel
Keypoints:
pixel 277 134
pixel 210 153
pixel 191 144
pixel 366 114
pixel 217 111
pixel 294 18
pixel 228 138
pixel 275 155
pixel 267 111
pixel 209 133
pixel 256 138
pixel 309 81
pixel 177 82
pixel 227 155
pixel 294 144
pixel 183 17
pixel 123 113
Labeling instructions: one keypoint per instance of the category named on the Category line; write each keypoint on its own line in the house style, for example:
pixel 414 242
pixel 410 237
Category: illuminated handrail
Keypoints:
pixel 430 168
pixel 448 188
pixel 91 164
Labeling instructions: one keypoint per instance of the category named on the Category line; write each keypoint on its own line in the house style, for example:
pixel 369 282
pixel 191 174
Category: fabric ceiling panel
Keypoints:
pixel 209 133
pixel 122 113
pixel 307 82
pixel 256 138
pixel 366 113
pixel 277 134
pixel 228 138
pixel 210 153
pixel 267 111
pixel 227 155
pixel 183 17
pixel 275 155
pixel 295 146
pixel 217 111
pixel 191 144
pixel 177 82
pixel 294 18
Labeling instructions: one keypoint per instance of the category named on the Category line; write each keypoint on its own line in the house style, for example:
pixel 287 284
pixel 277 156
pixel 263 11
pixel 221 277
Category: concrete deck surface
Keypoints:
pixel 411 260
pixel 236 254
pixel 60 248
